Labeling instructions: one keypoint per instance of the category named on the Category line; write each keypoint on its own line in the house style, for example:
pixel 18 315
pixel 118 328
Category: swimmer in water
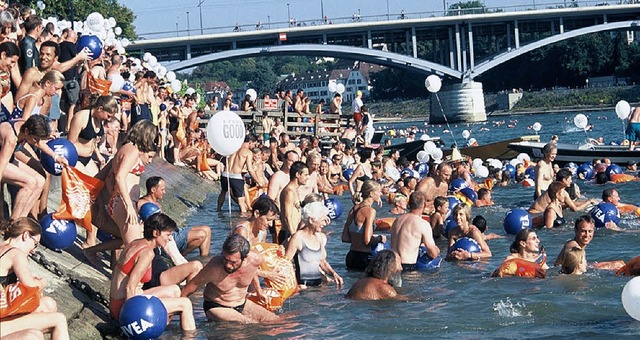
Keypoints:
pixel 376 285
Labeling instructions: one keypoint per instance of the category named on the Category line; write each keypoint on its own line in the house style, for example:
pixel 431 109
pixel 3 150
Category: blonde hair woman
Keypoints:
pixel 50 84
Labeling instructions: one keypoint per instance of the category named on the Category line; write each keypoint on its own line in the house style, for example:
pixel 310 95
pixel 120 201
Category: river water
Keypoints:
pixel 460 300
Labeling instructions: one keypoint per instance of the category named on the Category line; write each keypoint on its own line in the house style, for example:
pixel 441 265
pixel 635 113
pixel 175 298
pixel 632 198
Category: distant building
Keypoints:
pixel 607 81
pixel 316 84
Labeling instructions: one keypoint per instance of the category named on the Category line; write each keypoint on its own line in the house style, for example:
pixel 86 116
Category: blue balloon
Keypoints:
pixel 143 317
pixel 516 220
pixel 177 103
pixel 573 167
pixel 531 172
pixel 57 234
pixel 586 170
pixel 103 236
pixel 612 169
pixel 467 244
pixel 458 184
pixel 93 43
pixel 511 169
pixel 163 107
pixel 148 209
pixel 347 174
pixel 60 147
pixel 128 86
pixel 407 172
pixel 424 262
pixel 603 213
pixel 335 208
pixel 449 224
pixel 452 204
pixel 470 194
pixel 422 169
pixel 378 247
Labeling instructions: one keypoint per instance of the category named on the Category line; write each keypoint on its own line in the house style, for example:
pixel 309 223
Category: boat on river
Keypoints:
pixel 498 150
pixel 579 153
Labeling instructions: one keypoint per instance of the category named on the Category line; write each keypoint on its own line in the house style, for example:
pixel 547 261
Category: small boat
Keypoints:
pixel 498 150
pixel 579 153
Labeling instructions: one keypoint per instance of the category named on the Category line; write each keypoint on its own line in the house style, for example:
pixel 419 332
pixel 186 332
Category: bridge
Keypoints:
pixel 458 45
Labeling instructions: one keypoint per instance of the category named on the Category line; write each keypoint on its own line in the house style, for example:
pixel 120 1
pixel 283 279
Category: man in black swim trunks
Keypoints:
pixel 227 278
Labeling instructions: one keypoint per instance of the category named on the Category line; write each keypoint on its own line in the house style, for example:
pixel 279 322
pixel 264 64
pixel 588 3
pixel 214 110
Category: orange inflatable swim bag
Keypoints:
pixel 274 260
pixel 520 267
pixel 16 299
pixel 384 223
pixel 79 191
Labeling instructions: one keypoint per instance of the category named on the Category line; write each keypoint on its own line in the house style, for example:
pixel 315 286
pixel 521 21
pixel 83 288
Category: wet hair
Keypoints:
pixel 368 187
pixel 32 22
pixel 464 208
pixel 551 146
pixel 563 174
pixel 381 265
pixel 149 74
pixel 236 243
pixel 572 260
pixel 601 178
pixel 160 222
pixel 482 193
pixel 37 126
pixel 264 205
pixel 49 43
pixel 607 193
pixel 144 136
pixel 315 210
pixel 480 222
pixel 152 182
pixel 250 137
pixel 296 168
pixel 365 154
pixel 108 103
pixel 10 49
pixel 407 180
pixel 417 200
pixel 399 198
pixel 583 219
pixel 17 227
pixel 439 201
pixel 522 235
pixel 554 189
pixel 53 76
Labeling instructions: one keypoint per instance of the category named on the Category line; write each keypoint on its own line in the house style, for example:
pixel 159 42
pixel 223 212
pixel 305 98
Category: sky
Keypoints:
pixel 165 15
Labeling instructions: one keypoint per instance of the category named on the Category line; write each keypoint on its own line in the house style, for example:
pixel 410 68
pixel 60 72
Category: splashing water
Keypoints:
pixel 508 309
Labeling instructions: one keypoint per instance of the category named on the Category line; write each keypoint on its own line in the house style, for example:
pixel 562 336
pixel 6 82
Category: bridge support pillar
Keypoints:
pixel 461 103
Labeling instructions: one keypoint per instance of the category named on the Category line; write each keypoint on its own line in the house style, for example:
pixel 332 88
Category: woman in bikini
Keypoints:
pixel 122 189
pixel 30 104
pixel 553 216
pixel 87 127
pixel 133 269
pixel 21 237
pixel 362 173
pixel 358 230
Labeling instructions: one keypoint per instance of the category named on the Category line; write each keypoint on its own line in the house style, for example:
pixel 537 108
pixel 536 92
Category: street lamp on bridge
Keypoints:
pixel 288 15
pixel 188 26
pixel 200 2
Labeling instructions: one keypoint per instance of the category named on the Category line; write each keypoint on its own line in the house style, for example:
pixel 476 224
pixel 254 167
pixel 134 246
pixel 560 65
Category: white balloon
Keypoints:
pixel 132 77
pixel 121 50
pixel 430 146
pixel 117 30
pixel 176 85
pixel 631 298
pixel 153 61
pixel 393 173
pixel 466 134
pixel 424 137
pixel 112 22
pixel 515 162
pixel 476 162
pixel 623 109
pixel 225 132
pixel 437 154
pixel 146 56
pixel 171 76
pixel 190 91
pixel 524 157
pixel 482 171
pixel 340 88
pixel 433 83
pixel 162 71
pixel 423 156
pixel 580 121
pixel 496 163
pixel 252 94
pixel 536 126
pixel 41 5
pixel 125 42
pixel 95 21
pixel 116 83
pixel 333 86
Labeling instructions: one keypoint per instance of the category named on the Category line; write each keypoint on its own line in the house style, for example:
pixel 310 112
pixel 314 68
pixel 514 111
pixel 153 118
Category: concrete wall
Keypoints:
pixel 506 101
pixel 460 102
pixel 88 319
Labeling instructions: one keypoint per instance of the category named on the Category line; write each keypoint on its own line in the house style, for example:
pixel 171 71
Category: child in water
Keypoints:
pixel 441 206
pixel 481 223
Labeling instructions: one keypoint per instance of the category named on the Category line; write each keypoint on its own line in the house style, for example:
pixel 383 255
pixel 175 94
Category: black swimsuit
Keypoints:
pixel 207 304
pixel 9 278
pixel 89 133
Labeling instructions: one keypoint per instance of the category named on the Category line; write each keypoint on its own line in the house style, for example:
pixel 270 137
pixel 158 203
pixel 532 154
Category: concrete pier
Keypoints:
pixel 460 103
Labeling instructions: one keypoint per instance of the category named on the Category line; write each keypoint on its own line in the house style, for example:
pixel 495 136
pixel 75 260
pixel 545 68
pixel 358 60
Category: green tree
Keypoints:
pixel 82 8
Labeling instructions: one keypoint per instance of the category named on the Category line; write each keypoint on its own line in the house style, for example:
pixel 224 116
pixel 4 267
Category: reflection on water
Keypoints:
pixel 460 300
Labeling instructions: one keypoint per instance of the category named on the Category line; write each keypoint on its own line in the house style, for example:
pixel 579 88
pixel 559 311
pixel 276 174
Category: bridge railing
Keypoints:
pixel 245 27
